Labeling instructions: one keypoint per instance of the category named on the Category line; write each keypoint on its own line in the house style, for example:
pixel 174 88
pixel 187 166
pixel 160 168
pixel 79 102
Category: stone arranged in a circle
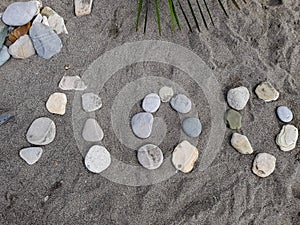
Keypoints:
pixel 166 93
pixel 41 132
pixel 4 55
pixel 181 103
pixel 192 127
pixel 184 157
pixel 31 155
pixel 150 156
pixel 45 41
pixel 22 48
pixel 233 119
pixel 267 92
pixel 264 164
pixel 56 103
pixel 92 131
pixel 141 124
pixel 83 7
pixel 241 144
pixel 151 103
pixel 237 98
pixel 287 138
pixel 91 102
pixel 284 114
pixel 72 83
pixel 97 159
pixel 20 13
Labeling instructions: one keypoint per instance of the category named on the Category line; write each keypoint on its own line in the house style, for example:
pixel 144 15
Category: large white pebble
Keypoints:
pixel 91 102
pixel 57 103
pixel 151 103
pixel 72 83
pixel 241 144
pixel 31 155
pixel 264 164
pixel 92 131
pixel 287 138
pixel 97 159
pixel 237 98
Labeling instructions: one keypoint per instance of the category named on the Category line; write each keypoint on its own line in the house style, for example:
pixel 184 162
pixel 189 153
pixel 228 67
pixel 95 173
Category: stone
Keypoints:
pixel 284 114
pixel 4 55
pixel 267 92
pixel 91 102
pixel 57 23
pixel 56 103
pixel 97 159
pixel 264 164
pixel 47 11
pixel 5 118
pixel 3 33
pixel 92 131
pixel 141 124
pixel 18 32
pixel 184 157
pixel 166 93
pixel 241 144
pixel 41 132
pixel 192 127
pixel 38 19
pixel 83 7
pixel 233 119
pixel 181 103
pixel 20 13
pixel 150 156
pixel 287 138
pixel 45 21
pixel 72 83
pixel 151 103
pixel 22 48
pixel 45 40
pixel 31 155
pixel 237 98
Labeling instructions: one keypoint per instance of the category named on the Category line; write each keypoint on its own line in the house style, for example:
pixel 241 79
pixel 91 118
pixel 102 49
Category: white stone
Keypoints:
pixel 57 23
pixel 267 92
pixel 241 144
pixel 264 164
pixel 72 83
pixel 92 131
pixel 83 7
pixel 150 156
pixel 38 19
pixel 57 103
pixel 287 138
pixel 151 103
pixel 237 98
pixel 166 93
pixel 97 159
pixel 31 155
pixel 45 21
pixel 141 124
pixel 91 102
pixel 184 156
pixel 22 48
pixel 181 103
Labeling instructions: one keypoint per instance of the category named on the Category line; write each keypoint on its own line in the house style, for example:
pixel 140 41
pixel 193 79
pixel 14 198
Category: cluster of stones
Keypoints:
pixel 237 98
pixel 151 156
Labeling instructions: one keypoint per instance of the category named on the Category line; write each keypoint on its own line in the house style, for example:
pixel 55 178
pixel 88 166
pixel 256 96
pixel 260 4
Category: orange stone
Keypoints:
pixel 18 32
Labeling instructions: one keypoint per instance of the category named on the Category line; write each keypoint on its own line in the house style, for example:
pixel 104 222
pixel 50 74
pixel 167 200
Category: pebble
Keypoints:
pixel 92 131
pixel 151 103
pixel 38 19
pixel 83 7
pixel 22 48
pixel 241 144
pixel 166 93
pixel 284 114
pixel 56 103
pixel 97 159
pixel 45 40
pixel 192 127
pixel 41 132
pixel 264 164
pixel 181 103
pixel 4 55
pixel 18 32
pixel 57 23
pixel 3 33
pixel 267 92
pixel 141 124
pixel 150 156
pixel 287 138
pixel 31 155
pixel 72 83
pixel 20 13
pixel 237 98
pixel 91 102
pixel 45 21
pixel 47 11
pixel 233 119
pixel 5 118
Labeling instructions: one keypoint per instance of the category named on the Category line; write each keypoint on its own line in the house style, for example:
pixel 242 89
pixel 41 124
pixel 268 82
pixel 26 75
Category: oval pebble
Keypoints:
pixel 284 114
pixel 91 102
pixel 56 103
pixel 92 131
pixel 181 103
pixel 192 127
pixel 31 155
pixel 151 103
pixel 264 164
pixel 241 143
pixel 97 159
pixel 266 92
pixel 141 124
pixel 150 156
pixel 237 98
pixel 166 93
pixel 287 138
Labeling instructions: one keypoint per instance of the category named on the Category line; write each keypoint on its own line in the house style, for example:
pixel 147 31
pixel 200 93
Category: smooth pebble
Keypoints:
pixel 166 93
pixel 83 7
pixel 151 103
pixel 92 131
pixel 264 164
pixel 97 159
pixel 141 124
pixel 233 119
pixel 31 155
pixel 241 144
pixel 267 92
pixel 192 127
pixel 4 55
pixel 287 138
pixel 237 98
pixel 284 114
pixel 150 156
pixel 181 103
pixel 72 83
pixel 91 102
pixel 22 48
pixel 56 103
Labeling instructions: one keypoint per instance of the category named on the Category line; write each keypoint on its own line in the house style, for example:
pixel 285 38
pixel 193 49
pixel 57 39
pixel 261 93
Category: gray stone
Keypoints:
pixel 5 118
pixel 264 164
pixel 91 102
pixel 181 103
pixel 237 98
pixel 4 55
pixel 22 48
pixel 83 7
pixel 45 40
pixel 241 144
pixel 141 124
pixel 192 127
pixel 166 93
pixel 92 131
pixel 3 33
pixel 150 156
pixel 97 159
pixel 284 114
pixel 31 155
pixel 72 83
pixel 151 103
pixel 38 19
pixel 41 132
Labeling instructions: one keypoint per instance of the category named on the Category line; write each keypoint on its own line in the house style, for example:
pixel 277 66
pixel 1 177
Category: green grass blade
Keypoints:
pixel 208 11
pixel 146 16
pixel 139 15
pixel 185 17
pixel 203 18
pixel 193 14
pixel 158 16
pixel 172 15
pixel 236 4
pixel 222 6
pixel 175 14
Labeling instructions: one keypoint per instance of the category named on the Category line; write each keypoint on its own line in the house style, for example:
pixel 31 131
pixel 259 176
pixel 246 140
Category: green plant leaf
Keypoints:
pixel 208 11
pixel 158 16
pixel 193 14
pixel 176 17
pixel 203 18
pixel 146 16
pixel 236 4
pixel 139 15
pixel 185 17
pixel 173 14
pixel 222 6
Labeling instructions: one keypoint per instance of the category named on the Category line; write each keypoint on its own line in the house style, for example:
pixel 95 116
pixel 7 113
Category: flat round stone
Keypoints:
pixel 151 103
pixel 91 102
pixel 72 83
pixel 150 156
pixel 166 93
pixel 141 124
pixel 241 144
pixel 192 127
pixel 233 119
pixel 237 98
pixel 284 114
pixel 41 132
pixel 56 103
pixel 97 159
pixel 264 164
pixel 31 155
pixel 181 103
pixel 287 138
pixel 92 131
pixel 267 92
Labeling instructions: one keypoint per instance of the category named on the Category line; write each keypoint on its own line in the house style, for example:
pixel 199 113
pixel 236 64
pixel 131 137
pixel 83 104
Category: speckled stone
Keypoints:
pixel 150 156
pixel 4 55
pixel 151 103
pixel 92 131
pixel 91 102
pixel 192 127
pixel 237 98
pixel 97 159
pixel 181 103
pixel 287 138
pixel 241 144
pixel 141 124
pixel 31 155
pixel 233 119
pixel 166 93
pixel 267 92
pixel 264 164
pixel 284 114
